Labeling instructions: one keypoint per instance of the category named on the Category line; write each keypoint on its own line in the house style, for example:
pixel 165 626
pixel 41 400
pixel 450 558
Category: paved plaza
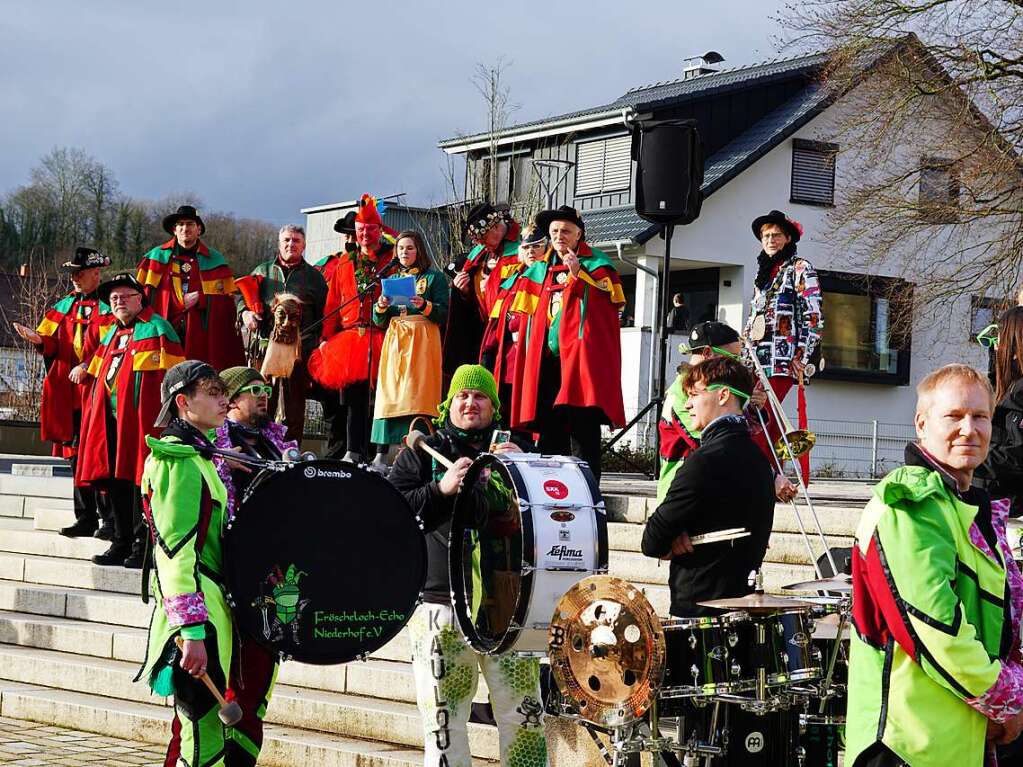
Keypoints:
pixel 38 745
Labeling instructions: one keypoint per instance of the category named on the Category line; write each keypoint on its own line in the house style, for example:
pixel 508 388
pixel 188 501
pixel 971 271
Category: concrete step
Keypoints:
pixel 283 746
pixel 643 570
pixel 80 604
pixel 76 573
pixel 835 520
pixel 374 678
pixel 19 536
pixel 41 487
pixel 325 711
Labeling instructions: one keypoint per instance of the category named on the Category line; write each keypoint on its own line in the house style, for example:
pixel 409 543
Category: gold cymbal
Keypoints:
pixel 606 647
pixel 840 583
pixel 758 603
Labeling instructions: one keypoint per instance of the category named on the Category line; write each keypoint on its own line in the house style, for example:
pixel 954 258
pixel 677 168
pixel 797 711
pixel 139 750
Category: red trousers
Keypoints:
pixel 781 386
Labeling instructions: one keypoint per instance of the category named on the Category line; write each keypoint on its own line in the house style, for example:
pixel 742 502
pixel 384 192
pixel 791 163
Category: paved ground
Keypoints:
pixel 29 744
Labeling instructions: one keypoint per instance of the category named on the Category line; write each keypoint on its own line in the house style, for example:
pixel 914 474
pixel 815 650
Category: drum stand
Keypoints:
pixel 827 688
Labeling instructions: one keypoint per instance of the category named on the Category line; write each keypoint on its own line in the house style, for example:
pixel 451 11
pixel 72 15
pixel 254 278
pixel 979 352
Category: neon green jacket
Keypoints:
pixel 187 501
pixel 926 671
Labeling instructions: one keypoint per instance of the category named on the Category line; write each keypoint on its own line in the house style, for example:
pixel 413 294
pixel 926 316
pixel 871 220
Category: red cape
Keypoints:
pixel 589 340
pixel 210 326
pixel 138 402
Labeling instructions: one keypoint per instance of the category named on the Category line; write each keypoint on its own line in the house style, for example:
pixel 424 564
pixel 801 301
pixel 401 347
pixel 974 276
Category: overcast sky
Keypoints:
pixel 263 108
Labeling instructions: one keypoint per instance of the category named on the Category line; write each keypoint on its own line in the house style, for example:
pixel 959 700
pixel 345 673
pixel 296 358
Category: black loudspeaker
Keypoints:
pixel 669 171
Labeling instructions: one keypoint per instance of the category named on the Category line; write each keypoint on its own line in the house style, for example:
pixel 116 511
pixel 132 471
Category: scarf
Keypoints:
pixel 766 264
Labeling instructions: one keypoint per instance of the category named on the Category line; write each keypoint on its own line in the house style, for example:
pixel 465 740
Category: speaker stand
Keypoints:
pixel 660 388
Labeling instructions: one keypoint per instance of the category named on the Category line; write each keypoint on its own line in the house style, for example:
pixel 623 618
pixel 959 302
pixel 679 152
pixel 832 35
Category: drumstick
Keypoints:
pixel 720 535
pixel 418 439
pixel 230 712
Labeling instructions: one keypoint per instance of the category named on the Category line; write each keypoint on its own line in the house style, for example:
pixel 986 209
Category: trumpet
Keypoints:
pixel 792 443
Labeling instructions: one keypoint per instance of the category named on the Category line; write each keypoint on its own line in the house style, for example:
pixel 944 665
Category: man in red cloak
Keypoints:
pixel 568 366
pixel 120 409
pixel 68 334
pixel 349 355
pixel 191 285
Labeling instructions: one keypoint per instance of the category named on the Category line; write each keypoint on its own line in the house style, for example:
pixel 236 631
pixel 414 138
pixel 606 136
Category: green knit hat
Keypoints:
pixel 471 377
pixel 237 378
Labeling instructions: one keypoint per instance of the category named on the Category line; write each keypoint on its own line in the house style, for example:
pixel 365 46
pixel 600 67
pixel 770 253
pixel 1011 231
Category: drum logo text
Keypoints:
pixel 562 516
pixel 564 552
pixel 556 489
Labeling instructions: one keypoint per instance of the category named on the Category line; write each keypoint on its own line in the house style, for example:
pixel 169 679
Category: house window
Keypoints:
pixel 813 172
pixel 866 328
pixel 985 311
pixel 939 191
pixel 509 167
pixel 603 166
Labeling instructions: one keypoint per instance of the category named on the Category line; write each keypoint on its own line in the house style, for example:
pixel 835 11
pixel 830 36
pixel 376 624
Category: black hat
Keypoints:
pixel 185 211
pixel 793 228
pixel 533 234
pixel 481 217
pixel 178 377
pixel 565 213
pixel 346 225
pixel 85 258
pixel 123 278
pixel 711 333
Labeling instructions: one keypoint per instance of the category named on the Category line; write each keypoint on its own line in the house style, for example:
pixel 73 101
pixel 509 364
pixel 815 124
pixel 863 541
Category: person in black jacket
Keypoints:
pixel 445 668
pixel 726 482
pixel 1002 473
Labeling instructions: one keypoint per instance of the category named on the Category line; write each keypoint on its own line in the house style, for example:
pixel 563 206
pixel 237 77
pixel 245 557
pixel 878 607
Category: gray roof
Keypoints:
pixel 671 91
pixel 623 223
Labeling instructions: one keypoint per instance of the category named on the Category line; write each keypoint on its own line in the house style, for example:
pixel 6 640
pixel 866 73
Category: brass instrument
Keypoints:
pixel 792 443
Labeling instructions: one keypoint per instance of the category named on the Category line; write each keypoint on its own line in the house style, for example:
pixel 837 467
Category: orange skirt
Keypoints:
pixel 345 358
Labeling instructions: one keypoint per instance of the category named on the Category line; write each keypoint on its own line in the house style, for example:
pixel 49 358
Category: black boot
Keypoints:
pixel 115 555
pixel 137 557
pixel 105 531
pixel 83 527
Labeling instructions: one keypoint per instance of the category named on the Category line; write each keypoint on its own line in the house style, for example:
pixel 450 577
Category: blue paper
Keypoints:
pixel 399 289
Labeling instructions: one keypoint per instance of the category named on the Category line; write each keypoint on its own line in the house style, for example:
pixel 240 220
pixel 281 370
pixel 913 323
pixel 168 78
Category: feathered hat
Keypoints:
pixel 370 211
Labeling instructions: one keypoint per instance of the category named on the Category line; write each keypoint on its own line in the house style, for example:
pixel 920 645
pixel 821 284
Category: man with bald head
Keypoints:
pixel 935 674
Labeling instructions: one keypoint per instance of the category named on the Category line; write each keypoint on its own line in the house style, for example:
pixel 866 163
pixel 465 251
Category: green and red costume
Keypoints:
pixel 69 332
pixel 127 370
pixel 469 317
pixel 678 435
pixel 186 510
pixel 937 602
pixel 576 320
pixel 208 329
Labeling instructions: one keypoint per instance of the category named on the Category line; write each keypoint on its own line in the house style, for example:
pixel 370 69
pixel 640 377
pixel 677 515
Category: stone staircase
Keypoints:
pixel 72 636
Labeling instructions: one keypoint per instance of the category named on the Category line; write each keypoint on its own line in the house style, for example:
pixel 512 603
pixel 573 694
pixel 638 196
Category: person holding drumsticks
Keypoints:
pixel 725 483
pixel 445 667
pixel 185 504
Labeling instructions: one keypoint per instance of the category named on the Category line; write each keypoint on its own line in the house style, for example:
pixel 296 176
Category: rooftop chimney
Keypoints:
pixel 697 66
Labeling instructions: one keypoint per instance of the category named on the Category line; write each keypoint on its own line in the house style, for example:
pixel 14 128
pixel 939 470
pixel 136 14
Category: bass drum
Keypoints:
pixel 324 562
pixel 526 528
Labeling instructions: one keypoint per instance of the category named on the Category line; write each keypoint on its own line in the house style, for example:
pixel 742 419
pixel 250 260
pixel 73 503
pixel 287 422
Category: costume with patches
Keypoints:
pixel 186 508
pixel 208 330
pixel 937 602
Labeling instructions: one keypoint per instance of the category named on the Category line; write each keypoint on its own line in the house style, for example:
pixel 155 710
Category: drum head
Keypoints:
pixel 324 561
pixel 485 557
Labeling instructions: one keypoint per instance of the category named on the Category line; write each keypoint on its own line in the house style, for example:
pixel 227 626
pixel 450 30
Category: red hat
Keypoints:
pixel 367 212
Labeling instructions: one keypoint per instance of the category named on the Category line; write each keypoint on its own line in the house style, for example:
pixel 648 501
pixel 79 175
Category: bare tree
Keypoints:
pixel 488 80
pixel 930 93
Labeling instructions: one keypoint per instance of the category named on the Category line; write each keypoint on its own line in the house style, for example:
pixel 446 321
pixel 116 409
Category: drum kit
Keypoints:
pixel 762 683
pixel 325 563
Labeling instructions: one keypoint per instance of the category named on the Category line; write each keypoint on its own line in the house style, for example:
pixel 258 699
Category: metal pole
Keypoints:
pixel 873 449
pixel 662 324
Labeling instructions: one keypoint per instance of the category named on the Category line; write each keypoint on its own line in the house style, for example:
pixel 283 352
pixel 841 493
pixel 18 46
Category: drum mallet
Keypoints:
pixel 230 712
pixel 418 439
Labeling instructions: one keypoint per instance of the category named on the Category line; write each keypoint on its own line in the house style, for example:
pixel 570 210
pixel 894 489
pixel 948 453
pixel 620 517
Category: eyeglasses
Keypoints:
pixel 257 390
pixel 535 245
pixel 772 236
pixel 988 337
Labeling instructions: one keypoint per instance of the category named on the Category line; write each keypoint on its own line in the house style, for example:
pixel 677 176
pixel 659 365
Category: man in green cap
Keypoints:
pixel 440 655
pixel 186 509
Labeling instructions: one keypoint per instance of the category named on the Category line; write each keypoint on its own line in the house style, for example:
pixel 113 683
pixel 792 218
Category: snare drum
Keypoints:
pixel 542 529
pixel 324 562
pixel 792 655
pixel 707 656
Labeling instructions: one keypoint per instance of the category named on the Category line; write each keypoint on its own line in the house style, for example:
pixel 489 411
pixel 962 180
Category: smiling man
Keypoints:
pixel 934 669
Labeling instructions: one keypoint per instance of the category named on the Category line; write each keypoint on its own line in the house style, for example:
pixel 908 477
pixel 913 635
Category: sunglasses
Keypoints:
pixel 988 337
pixel 257 390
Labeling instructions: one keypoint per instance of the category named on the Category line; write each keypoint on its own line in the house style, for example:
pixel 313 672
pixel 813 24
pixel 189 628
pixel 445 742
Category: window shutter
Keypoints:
pixel 589 168
pixel 617 164
pixel 603 166
pixel 813 172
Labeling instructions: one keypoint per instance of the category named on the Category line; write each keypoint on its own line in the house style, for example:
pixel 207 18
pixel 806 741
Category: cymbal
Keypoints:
pixel 758 603
pixel 842 583
pixel 606 647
